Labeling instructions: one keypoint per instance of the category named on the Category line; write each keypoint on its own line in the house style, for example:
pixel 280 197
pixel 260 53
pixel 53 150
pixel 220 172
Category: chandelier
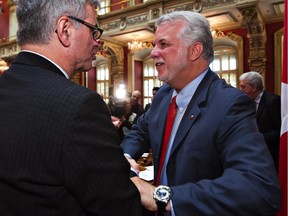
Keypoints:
pixel 136 45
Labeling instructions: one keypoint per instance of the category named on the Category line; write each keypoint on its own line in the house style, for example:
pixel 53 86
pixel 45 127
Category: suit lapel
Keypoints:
pixel 193 110
pixel 261 105
pixel 163 108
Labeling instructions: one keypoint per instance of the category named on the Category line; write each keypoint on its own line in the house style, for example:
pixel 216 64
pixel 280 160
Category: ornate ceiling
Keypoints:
pixel 138 21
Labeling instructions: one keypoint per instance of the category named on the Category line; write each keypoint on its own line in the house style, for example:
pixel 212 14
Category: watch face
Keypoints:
pixel 162 193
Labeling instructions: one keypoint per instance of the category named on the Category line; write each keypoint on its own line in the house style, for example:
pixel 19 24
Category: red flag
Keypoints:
pixel 284 116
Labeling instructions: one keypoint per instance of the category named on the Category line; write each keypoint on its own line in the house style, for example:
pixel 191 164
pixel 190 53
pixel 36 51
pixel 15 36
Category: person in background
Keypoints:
pixel 122 116
pixel 216 161
pixel 268 110
pixel 59 152
pixel 154 90
pixel 136 107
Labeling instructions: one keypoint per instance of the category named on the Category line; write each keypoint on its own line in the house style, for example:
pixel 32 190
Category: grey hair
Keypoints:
pixel 196 30
pixel 37 18
pixel 252 78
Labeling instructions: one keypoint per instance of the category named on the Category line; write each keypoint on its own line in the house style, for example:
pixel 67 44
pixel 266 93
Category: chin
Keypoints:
pixel 163 78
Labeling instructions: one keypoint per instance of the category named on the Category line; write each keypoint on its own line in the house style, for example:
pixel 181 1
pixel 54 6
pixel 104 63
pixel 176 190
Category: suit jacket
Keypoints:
pixel 269 122
pixel 147 107
pixel 219 162
pixel 59 152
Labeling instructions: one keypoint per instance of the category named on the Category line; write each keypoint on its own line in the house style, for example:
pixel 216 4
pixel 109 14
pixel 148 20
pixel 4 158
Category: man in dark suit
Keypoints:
pixel 268 110
pixel 217 162
pixel 59 152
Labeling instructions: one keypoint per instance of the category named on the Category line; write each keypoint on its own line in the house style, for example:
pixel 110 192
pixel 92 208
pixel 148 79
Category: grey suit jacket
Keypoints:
pixel 59 152
pixel 219 163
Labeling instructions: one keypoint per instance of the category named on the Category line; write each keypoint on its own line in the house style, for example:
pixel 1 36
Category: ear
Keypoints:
pixel 64 30
pixel 195 51
pixel 254 87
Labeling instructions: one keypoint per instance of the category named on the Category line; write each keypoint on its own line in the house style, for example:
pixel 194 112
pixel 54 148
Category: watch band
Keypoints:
pixel 161 206
pixel 162 195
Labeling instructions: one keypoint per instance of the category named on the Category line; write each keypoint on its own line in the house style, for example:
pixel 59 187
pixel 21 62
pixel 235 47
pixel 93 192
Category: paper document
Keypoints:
pixel 145 155
pixel 147 174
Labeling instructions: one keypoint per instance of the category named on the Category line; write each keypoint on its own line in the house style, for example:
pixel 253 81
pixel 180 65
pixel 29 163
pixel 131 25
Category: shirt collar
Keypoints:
pixel 65 74
pixel 185 95
pixel 258 98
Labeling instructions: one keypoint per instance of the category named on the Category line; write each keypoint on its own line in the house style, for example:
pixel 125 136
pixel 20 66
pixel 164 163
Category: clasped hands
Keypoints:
pixel 117 122
pixel 145 189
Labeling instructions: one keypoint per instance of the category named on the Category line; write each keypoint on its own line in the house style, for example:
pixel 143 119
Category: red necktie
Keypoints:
pixel 168 128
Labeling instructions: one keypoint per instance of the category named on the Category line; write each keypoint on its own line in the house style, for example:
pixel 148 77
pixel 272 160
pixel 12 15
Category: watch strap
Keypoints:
pixel 162 195
pixel 161 206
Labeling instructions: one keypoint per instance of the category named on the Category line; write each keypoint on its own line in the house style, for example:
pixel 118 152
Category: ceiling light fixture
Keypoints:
pixel 136 45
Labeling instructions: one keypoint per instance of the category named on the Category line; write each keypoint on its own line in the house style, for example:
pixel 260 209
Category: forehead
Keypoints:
pixel 168 29
pixel 136 94
pixel 243 82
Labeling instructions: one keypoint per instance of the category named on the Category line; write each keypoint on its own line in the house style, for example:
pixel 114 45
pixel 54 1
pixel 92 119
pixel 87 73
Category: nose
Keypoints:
pixel 97 43
pixel 155 52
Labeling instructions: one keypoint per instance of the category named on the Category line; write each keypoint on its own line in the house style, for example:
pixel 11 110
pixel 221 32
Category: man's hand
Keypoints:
pixel 133 164
pixel 146 192
pixel 117 122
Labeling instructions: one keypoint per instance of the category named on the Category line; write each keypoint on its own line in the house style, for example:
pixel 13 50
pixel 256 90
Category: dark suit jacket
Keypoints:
pixel 59 152
pixel 219 163
pixel 269 122
pixel 147 106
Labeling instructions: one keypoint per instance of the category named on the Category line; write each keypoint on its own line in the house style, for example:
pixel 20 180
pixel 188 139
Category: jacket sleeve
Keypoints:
pixel 95 170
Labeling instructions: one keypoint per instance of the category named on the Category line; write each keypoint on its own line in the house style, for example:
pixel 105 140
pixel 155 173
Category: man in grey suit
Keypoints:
pixel 59 152
pixel 217 162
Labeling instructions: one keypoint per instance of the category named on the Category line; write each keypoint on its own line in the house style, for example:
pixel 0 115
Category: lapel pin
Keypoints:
pixel 191 117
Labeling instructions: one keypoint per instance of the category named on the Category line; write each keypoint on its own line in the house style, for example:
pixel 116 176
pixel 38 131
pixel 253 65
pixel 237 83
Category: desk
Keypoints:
pixel 146 168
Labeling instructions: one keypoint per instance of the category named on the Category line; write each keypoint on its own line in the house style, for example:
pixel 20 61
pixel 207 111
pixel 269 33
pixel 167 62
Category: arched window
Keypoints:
pixel 228 57
pixel 225 64
pixel 104 7
pixel 103 80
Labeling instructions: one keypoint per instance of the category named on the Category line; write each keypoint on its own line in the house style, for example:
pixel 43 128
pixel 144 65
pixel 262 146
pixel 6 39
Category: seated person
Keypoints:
pixel 122 116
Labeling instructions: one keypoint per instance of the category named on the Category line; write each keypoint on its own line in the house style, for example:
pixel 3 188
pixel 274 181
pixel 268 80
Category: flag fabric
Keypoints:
pixel 284 117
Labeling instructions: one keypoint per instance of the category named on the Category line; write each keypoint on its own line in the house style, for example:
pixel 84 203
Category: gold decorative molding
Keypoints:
pixel 253 22
pixel 127 22
pixel 217 34
pixel 11 3
pixel 195 6
pixel 9 50
pixel 278 59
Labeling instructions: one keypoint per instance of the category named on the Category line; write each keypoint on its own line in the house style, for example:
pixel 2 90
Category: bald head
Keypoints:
pixel 136 95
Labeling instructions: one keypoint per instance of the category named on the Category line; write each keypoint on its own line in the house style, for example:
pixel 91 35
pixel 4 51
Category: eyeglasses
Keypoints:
pixel 96 32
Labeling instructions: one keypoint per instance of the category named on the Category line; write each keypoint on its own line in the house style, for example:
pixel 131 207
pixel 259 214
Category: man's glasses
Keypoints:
pixel 96 32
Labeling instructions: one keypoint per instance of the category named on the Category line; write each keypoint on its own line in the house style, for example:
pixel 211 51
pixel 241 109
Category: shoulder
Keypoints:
pixel 271 95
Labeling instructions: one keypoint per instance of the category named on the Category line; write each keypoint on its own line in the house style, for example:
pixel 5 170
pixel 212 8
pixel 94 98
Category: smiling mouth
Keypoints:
pixel 159 64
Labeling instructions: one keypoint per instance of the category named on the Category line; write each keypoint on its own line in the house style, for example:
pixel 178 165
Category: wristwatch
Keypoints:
pixel 162 195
